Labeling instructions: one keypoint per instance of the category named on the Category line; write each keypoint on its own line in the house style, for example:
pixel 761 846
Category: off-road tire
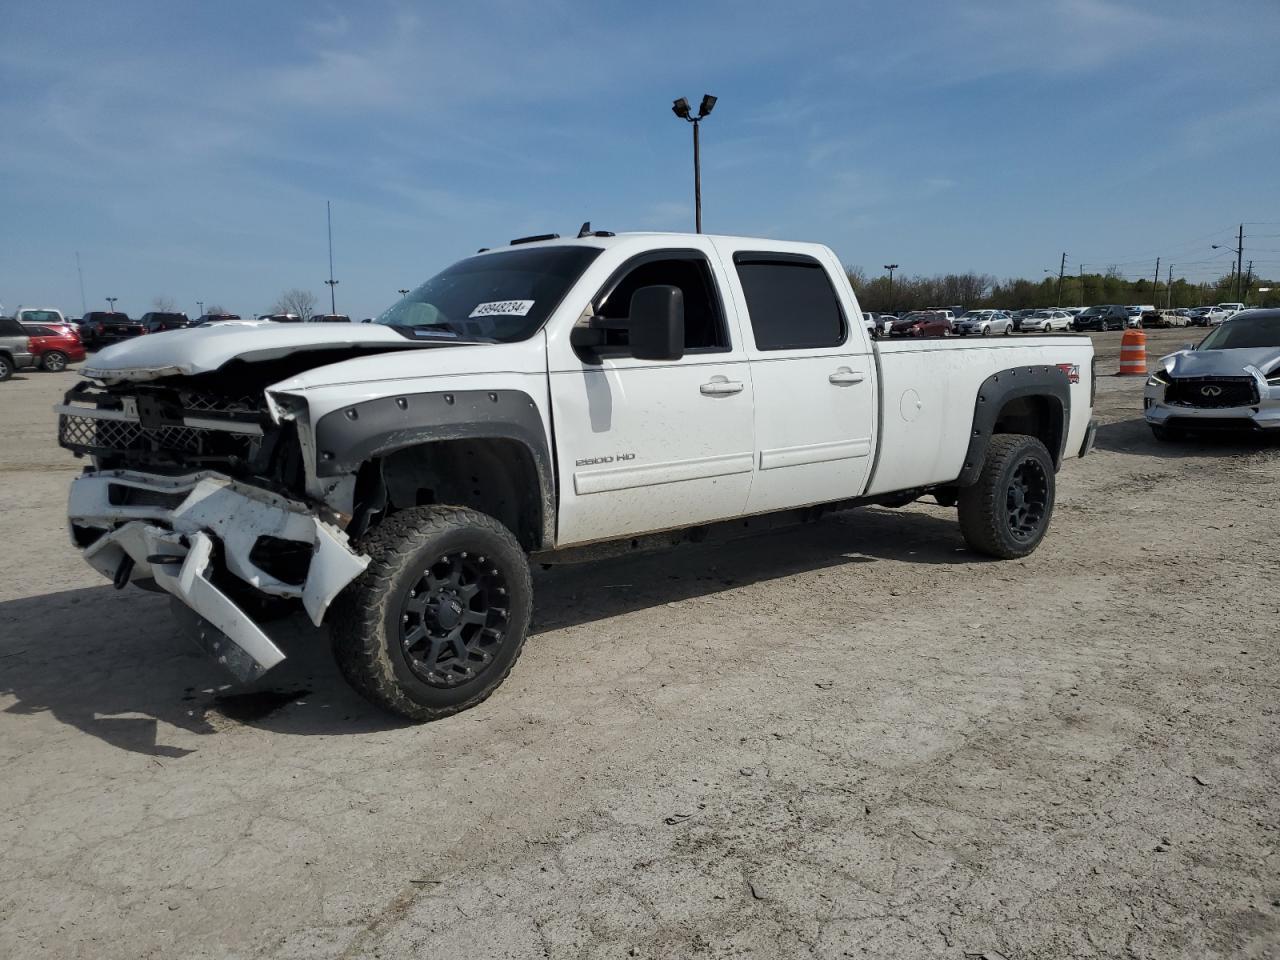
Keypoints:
pixel 986 506
pixel 365 617
pixel 1167 434
pixel 6 368
pixel 55 361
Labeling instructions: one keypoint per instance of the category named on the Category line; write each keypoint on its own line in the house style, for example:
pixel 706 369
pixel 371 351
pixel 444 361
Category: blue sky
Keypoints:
pixel 187 150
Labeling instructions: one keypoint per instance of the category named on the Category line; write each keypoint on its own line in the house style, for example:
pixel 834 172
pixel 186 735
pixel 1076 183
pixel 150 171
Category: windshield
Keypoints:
pixel 1245 333
pixel 501 297
pixel 41 316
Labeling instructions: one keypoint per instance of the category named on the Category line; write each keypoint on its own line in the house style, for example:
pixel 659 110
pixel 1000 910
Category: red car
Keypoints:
pixel 54 345
pixel 923 323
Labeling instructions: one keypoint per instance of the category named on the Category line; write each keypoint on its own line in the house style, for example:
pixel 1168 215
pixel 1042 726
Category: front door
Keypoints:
pixel 648 445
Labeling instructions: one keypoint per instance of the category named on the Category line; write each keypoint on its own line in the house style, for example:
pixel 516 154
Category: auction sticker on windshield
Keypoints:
pixel 502 308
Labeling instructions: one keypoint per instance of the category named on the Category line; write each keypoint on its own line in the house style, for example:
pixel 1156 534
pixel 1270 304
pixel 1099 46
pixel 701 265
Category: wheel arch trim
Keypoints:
pixel 1043 381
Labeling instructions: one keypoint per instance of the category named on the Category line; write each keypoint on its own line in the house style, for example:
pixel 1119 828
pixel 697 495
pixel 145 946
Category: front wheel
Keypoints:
pixel 6 368
pixel 436 622
pixel 55 361
pixel 1006 512
pixel 986 331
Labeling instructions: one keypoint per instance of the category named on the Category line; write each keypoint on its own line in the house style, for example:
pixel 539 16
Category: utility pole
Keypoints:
pixel 891 267
pixel 333 304
pixel 1082 284
pixel 84 307
pixel 1248 282
pixel 1168 304
pixel 1062 268
pixel 1155 284
pixel 1239 262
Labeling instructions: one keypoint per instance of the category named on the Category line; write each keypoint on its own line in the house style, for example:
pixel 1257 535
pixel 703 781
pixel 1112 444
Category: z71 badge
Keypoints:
pixel 1072 370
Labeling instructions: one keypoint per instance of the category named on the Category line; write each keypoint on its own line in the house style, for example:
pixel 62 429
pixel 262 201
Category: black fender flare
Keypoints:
pixel 1040 380
pixel 352 435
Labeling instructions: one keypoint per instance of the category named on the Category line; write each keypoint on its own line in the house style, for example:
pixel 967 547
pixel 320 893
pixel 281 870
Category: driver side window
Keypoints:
pixel 704 323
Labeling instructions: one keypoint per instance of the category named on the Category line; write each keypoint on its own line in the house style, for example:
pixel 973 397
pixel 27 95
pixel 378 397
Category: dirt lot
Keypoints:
pixel 854 739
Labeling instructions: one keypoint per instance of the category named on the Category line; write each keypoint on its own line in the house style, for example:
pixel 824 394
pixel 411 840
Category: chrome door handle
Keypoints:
pixel 844 376
pixel 720 388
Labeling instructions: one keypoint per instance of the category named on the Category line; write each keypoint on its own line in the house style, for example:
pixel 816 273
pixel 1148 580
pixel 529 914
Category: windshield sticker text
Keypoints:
pixel 504 308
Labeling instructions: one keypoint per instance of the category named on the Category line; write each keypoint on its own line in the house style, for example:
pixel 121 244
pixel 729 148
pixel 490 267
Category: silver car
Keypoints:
pixel 984 323
pixel 1231 381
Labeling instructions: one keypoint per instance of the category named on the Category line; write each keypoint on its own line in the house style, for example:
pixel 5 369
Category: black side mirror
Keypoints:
pixel 655 325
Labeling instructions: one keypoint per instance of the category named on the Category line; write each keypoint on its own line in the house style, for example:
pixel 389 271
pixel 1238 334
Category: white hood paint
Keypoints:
pixel 204 349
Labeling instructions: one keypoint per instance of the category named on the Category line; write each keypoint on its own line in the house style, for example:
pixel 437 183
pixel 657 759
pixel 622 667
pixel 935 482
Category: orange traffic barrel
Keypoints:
pixel 1133 354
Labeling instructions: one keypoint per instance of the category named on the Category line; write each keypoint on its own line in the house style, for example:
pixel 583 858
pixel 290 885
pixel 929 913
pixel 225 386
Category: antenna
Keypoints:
pixel 84 307
pixel 331 283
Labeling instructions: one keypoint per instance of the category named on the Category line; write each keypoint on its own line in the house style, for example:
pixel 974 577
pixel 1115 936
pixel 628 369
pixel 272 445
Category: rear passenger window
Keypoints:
pixel 791 301
pixel 10 327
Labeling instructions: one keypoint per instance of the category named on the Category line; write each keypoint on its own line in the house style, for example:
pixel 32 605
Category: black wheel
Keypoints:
pixel 1006 512
pixel 55 361
pixel 436 622
pixel 1167 434
pixel 6 368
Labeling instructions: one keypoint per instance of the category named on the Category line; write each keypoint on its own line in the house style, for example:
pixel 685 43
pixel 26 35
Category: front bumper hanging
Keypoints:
pixel 168 529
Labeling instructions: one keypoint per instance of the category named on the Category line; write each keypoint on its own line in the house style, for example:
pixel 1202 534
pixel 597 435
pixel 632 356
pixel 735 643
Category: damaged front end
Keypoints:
pixel 209 495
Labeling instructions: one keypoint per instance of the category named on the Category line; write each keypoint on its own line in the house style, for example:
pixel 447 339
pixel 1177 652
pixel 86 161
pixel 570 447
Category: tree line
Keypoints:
pixel 977 290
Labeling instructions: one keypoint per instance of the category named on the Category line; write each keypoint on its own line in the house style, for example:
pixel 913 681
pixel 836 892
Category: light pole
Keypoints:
pixel 682 110
pixel 891 267
pixel 403 293
pixel 111 304
pixel 200 304
pixel 331 283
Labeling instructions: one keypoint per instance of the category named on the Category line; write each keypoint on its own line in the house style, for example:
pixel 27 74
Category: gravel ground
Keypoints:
pixel 852 739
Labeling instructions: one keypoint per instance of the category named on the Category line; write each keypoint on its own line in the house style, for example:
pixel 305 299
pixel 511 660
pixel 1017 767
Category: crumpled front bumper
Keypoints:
pixel 167 529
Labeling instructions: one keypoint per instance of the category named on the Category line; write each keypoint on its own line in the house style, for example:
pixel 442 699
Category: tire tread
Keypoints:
pixel 981 505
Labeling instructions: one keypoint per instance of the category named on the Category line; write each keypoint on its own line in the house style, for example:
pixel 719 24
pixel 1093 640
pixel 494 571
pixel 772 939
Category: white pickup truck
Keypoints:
pixel 555 400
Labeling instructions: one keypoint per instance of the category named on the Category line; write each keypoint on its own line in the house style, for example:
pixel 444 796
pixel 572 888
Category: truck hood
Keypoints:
pixel 206 349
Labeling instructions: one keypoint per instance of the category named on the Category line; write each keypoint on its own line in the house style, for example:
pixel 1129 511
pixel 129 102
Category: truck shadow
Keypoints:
pixel 114 665
pixel 1134 437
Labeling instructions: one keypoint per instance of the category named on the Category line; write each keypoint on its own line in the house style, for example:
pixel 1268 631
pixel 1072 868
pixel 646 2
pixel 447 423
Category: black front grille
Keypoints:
pixel 1212 393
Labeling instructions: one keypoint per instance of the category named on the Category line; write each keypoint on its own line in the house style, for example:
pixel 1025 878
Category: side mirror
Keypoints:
pixel 655 325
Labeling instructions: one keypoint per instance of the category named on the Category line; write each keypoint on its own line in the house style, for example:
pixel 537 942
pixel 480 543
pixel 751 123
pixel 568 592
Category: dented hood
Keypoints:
pixel 205 349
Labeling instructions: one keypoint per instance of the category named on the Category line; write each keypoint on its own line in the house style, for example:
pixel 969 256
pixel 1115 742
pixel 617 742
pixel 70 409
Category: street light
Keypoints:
pixel 891 267
pixel 111 304
pixel 403 293
pixel 682 110
pixel 200 304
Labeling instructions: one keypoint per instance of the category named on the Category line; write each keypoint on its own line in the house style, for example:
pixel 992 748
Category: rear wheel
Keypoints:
pixel 1006 512
pixel 6 368
pixel 55 361
pixel 436 622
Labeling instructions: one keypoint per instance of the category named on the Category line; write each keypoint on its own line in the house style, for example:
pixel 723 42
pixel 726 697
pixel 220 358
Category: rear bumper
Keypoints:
pixel 24 361
pixel 180 531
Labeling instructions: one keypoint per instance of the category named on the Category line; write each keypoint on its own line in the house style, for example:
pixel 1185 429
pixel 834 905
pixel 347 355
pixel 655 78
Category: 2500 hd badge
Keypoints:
pixel 592 461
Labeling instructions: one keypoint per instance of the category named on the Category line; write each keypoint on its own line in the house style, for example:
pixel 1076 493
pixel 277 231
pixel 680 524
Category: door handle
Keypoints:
pixel 720 387
pixel 844 376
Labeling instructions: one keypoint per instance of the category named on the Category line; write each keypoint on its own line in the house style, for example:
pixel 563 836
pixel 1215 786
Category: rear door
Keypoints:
pixel 647 445
pixel 813 374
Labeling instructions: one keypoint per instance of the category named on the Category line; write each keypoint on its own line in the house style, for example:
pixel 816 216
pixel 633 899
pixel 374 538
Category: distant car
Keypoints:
pixel 281 317
pixel 54 345
pixel 39 315
pixel 1157 319
pixel 1018 316
pixel 1104 317
pixel 101 327
pixel 1231 308
pixel 923 323
pixel 15 348
pixel 1217 315
pixel 329 318
pixel 984 323
pixel 1046 321
pixel 158 322
pixel 1231 381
